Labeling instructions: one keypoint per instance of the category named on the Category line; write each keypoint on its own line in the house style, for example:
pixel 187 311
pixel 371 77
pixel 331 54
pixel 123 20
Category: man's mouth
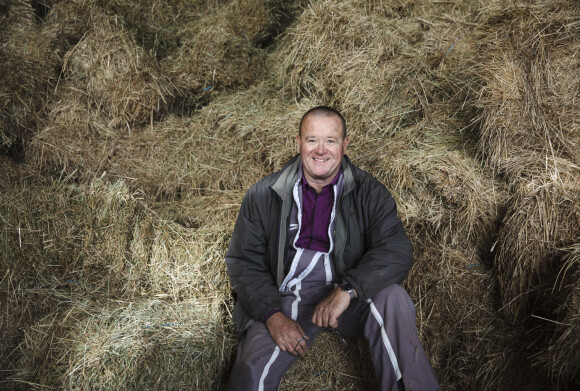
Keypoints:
pixel 321 160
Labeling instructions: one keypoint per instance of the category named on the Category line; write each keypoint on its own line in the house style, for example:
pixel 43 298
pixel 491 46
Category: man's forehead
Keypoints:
pixel 331 118
pixel 323 114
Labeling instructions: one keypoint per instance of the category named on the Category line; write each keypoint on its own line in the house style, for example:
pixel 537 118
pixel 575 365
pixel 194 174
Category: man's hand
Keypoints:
pixel 328 310
pixel 287 334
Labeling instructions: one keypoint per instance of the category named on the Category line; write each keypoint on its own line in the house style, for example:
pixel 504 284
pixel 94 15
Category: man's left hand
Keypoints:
pixel 328 310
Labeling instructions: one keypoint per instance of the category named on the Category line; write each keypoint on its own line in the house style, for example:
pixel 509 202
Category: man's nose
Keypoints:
pixel 321 148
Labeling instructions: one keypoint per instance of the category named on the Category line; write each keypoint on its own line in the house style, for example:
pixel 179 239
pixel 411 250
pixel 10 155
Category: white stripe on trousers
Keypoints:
pixel 267 368
pixel 386 341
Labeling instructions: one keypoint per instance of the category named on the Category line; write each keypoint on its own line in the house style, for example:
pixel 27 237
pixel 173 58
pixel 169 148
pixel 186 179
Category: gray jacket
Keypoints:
pixel 371 249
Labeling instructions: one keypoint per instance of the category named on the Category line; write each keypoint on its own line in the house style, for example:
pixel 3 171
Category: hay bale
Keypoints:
pixel 28 68
pixel 75 142
pixel 532 82
pixel 453 293
pixel 560 354
pixel 66 22
pixel 339 55
pixel 63 241
pixel 440 188
pixel 156 25
pixel 60 231
pixel 331 365
pixel 224 48
pixel 470 344
pixel 110 73
pixel 101 238
pixel 60 241
pixel 184 158
pixel 128 345
pixel 503 358
pixel 543 217
pixel 177 158
pixel 529 134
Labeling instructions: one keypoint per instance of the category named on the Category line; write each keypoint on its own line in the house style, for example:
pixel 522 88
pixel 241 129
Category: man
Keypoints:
pixel 319 245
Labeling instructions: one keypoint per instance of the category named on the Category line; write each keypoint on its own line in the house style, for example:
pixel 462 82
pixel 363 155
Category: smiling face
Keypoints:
pixel 321 147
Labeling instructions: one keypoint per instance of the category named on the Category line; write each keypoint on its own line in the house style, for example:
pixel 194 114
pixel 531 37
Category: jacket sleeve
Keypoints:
pixel 246 259
pixel 388 252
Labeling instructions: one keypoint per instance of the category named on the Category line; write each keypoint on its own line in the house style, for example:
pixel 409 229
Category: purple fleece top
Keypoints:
pixel 316 211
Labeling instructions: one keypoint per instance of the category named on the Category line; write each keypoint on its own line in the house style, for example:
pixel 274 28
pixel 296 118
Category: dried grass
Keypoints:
pixel 529 134
pixel 68 242
pixel 532 82
pixel 225 48
pixel 127 345
pixel 28 67
pixel 157 25
pixel 102 238
pixel 330 365
pixel 438 187
pixel 112 75
pixel 453 293
pixel 338 55
pixel 542 218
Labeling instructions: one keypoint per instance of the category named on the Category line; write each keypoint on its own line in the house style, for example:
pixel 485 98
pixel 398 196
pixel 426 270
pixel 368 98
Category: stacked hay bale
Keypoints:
pixel 28 67
pixel 76 256
pixel 333 363
pixel 108 86
pixel 104 117
pixel 158 25
pixel 561 355
pixel 150 344
pixel 529 135
pixel 48 236
pixel 225 49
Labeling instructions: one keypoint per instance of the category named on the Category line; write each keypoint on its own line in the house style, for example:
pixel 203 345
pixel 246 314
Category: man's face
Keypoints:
pixel 321 148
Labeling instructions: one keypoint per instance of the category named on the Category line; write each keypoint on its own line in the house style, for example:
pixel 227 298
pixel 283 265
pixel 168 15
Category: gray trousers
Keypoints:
pixel 387 322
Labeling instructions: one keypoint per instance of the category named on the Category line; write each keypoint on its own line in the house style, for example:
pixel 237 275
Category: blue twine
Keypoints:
pixel 80 283
pixel 472 265
pixel 163 325
pixel 448 50
pixel 320 373
pixel 208 88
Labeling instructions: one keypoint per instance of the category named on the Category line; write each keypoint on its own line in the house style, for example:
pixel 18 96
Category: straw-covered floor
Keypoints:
pixel 130 130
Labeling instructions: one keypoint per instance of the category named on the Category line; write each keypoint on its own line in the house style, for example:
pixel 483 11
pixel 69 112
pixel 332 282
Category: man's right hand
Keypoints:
pixel 287 334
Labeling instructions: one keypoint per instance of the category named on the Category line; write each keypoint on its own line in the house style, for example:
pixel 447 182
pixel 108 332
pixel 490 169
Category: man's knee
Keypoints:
pixel 394 296
pixel 251 365
pixel 243 376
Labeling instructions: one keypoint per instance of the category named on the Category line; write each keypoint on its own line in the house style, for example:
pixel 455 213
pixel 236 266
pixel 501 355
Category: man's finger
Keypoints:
pixel 318 317
pixel 333 322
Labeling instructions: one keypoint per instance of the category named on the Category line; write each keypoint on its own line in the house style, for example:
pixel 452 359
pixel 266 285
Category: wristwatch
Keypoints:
pixel 347 287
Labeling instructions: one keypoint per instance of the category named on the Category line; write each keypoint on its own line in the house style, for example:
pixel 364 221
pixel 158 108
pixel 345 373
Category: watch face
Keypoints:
pixel 346 287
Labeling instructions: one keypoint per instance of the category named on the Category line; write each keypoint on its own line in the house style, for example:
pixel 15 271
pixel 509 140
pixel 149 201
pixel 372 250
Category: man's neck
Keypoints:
pixel 319 184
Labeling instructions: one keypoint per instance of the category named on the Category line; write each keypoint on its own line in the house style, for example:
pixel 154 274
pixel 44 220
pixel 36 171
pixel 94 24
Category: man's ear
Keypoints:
pixel 298 143
pixel 345 142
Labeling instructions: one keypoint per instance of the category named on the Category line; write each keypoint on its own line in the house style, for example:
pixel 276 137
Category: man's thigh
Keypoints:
pixel 351 321
pixel 260 361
